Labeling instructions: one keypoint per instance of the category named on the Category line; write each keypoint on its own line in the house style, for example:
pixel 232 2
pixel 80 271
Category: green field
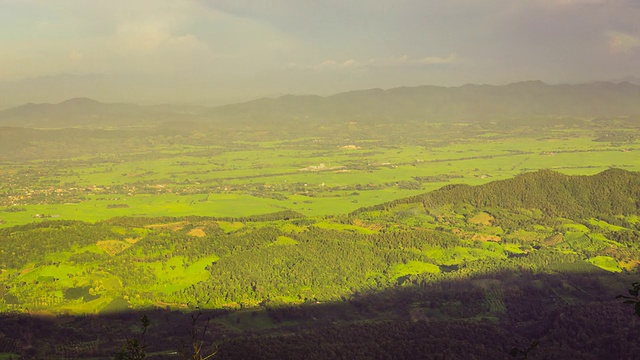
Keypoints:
pixel 297 175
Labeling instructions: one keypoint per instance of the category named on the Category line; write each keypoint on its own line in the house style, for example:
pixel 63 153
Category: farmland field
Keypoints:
pixel 304 175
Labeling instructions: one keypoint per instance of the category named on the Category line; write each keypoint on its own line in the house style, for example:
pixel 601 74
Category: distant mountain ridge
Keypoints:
pixel 467 103
pixel 88 112
pixel 629 79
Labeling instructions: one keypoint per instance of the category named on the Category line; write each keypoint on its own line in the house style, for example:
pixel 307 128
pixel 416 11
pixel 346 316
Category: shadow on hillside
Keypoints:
pixel 573 314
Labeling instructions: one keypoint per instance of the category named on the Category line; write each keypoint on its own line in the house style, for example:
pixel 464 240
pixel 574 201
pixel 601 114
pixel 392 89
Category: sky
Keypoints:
pixel 220 51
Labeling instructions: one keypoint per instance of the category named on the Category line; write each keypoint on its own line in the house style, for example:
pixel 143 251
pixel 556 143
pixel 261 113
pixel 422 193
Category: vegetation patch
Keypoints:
pixel 117 305
pixel 414 268
pixel 113 247
pixel 175 226
pixel 343 227
pixel 228 226
pixel 575 228
pixel 283 241
pixel 197 232
pixel 482 218
pixel 631 265
pixel 605 225
pixel 554 239
pixel 606 262
pixel 132 240
pixel 79 293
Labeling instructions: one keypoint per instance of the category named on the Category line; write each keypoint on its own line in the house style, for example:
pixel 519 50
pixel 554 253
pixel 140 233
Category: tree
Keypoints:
pixel 134 349
pixel 515 352
pixel 197 333
pixel 632 298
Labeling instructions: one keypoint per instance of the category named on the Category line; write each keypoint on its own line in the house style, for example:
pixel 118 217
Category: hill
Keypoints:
pixel 610 192
pixel 468 103
pixel 525 101
pixel 89 113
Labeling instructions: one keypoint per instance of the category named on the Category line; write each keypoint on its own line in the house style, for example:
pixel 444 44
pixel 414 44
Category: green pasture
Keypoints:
pixel 605 225
pixel 284 241
pixel 513 248
pixel 217 205
pixel 89 307
pixel 606 262
pixel 52 273
pixel 221 205
pixel 575 228
pixel 175 274
pixel 457 255
pixel 413 268
pixel 229 227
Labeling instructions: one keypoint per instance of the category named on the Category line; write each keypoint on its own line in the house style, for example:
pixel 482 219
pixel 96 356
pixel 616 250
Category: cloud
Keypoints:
pixel 333 65
pixel 306 45
pixel 75 55
pixel 574 2
pixel 105 37
pixel 433 60
pixel 143 35
pixel 620 42
pixel 406 60
pixel 153 36
pixel 385 62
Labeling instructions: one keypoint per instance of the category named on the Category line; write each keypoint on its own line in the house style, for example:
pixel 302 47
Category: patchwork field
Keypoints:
pixel 303 175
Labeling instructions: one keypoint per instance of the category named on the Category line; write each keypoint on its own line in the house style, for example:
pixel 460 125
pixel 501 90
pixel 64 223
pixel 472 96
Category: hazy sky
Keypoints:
pixel 212 51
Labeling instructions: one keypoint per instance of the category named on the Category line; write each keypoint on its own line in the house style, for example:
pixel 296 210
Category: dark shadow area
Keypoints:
pixel 573 314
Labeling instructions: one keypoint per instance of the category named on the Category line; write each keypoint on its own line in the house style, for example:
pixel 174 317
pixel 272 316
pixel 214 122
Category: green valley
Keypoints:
pixel 332 231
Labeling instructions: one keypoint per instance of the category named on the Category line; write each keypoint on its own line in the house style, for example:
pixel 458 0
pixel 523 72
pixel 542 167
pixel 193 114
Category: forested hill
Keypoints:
pixel 468 103
pixel 611 192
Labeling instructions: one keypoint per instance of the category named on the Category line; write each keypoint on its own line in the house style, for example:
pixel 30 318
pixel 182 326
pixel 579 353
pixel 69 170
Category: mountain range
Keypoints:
pixel 467 103
pixel 629 78
pixel 88 112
